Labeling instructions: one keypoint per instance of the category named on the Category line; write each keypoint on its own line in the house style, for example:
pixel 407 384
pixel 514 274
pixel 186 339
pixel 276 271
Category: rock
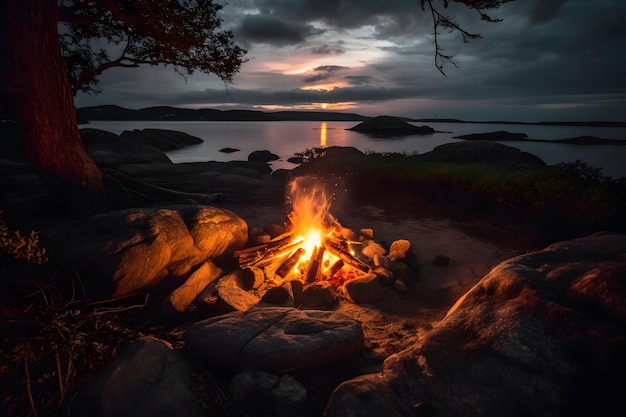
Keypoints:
pixel 319 294
pixel 252 387
pixel 275 230
pixel 275 339
pixel 365 289
pixel 403 272
pixel 289 397
pixel 366 234
pixel 229 150
pixel 146 378
pixel 165 140
pixel 541 334
pixel 238 298
pixel 400 286
pixel 390 126
pixel 127 251
pixel 399 249
pixel 278 296
pixel 499 135
pixel 262 156
pixel 109 150
pixel 482 152
pixel 372 249
pixel 441 260
pixel 260 390
pixel 226 296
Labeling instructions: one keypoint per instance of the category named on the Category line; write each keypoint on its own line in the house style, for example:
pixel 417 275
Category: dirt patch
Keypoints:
pixel 401 318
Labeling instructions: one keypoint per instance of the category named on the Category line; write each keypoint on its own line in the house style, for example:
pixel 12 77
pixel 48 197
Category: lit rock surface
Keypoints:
pixel 127 251
pixel 275 339
pixel 541 334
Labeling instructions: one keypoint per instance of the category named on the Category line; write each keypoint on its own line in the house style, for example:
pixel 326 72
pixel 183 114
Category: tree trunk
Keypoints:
pixel 38 95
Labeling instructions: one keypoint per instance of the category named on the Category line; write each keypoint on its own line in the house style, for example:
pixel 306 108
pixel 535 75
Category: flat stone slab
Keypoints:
pixel 275 339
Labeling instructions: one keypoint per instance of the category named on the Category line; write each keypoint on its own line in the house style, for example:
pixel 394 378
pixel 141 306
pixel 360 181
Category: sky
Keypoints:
pixel 546 60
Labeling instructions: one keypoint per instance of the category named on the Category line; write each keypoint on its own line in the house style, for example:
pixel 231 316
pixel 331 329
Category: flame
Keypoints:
pixel 310 218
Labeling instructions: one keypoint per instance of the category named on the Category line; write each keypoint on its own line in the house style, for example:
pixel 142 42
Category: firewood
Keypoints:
pixel 270 257
pixel 313 267
pixel 261 258
pixel 346 256
pixel 335 268
pixel 285 268
pixel 277 241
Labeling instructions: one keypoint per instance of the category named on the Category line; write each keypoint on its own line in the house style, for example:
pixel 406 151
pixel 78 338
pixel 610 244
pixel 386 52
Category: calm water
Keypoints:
pixel 287 138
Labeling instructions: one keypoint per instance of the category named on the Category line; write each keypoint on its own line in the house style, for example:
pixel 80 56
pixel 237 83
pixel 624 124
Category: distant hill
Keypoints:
pixel 167 113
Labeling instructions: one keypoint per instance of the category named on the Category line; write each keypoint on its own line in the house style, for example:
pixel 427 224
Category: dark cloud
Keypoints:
pixel 323 73
pixel 359 79
pixel 326 49
pixel 262 28
pixel 329 68
pixel 543 55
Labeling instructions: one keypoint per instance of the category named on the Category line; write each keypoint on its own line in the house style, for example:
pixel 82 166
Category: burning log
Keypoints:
pixel 346 257
pixel 314 266
pixel 261 255
pixel 285 268
pixel 335 268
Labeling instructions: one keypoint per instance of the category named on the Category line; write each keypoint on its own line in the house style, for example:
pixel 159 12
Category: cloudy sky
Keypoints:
pixel 546 60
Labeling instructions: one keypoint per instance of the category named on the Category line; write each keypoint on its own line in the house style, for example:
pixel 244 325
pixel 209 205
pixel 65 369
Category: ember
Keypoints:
pixel 314 247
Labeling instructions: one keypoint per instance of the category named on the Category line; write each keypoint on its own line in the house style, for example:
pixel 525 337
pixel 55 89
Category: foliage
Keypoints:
pixel 99 35
pixel 21 247
pixel 311 153
pixel 575 197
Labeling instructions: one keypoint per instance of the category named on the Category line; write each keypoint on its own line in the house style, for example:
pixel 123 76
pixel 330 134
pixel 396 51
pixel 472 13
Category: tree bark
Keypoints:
pixel 38 95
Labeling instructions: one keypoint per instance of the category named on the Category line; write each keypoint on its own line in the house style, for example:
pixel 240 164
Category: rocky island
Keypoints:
pixel 388 126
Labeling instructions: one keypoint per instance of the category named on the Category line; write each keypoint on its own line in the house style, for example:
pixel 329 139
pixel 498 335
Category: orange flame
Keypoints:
pixel 310 217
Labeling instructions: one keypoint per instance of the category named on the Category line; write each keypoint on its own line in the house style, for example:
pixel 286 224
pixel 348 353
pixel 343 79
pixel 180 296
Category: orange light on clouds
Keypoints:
pixel 312 106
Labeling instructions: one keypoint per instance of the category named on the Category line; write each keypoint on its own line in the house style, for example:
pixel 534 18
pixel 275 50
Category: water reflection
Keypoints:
pixel 323 127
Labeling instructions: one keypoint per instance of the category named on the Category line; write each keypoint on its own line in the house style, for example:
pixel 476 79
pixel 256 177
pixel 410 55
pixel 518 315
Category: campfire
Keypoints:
pixel 314 246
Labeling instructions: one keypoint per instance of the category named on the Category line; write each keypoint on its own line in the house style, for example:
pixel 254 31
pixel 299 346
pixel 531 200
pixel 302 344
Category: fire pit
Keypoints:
pixel 315 250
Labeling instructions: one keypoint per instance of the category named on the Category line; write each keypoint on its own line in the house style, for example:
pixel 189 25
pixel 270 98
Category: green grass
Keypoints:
pixel 572 193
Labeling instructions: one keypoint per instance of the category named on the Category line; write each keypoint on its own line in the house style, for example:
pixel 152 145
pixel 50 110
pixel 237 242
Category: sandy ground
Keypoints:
pixel 401 318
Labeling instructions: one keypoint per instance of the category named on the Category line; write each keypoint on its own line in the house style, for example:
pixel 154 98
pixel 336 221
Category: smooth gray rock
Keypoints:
pixel 275 339
pixel 542 334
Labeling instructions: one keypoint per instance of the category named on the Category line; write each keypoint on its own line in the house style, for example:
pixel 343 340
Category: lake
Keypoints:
pixel 285 138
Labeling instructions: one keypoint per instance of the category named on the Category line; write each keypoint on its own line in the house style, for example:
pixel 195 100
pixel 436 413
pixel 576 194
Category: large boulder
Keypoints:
pixel 127 251
pixel 146 378
pixel 541 334
pixel 275 339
